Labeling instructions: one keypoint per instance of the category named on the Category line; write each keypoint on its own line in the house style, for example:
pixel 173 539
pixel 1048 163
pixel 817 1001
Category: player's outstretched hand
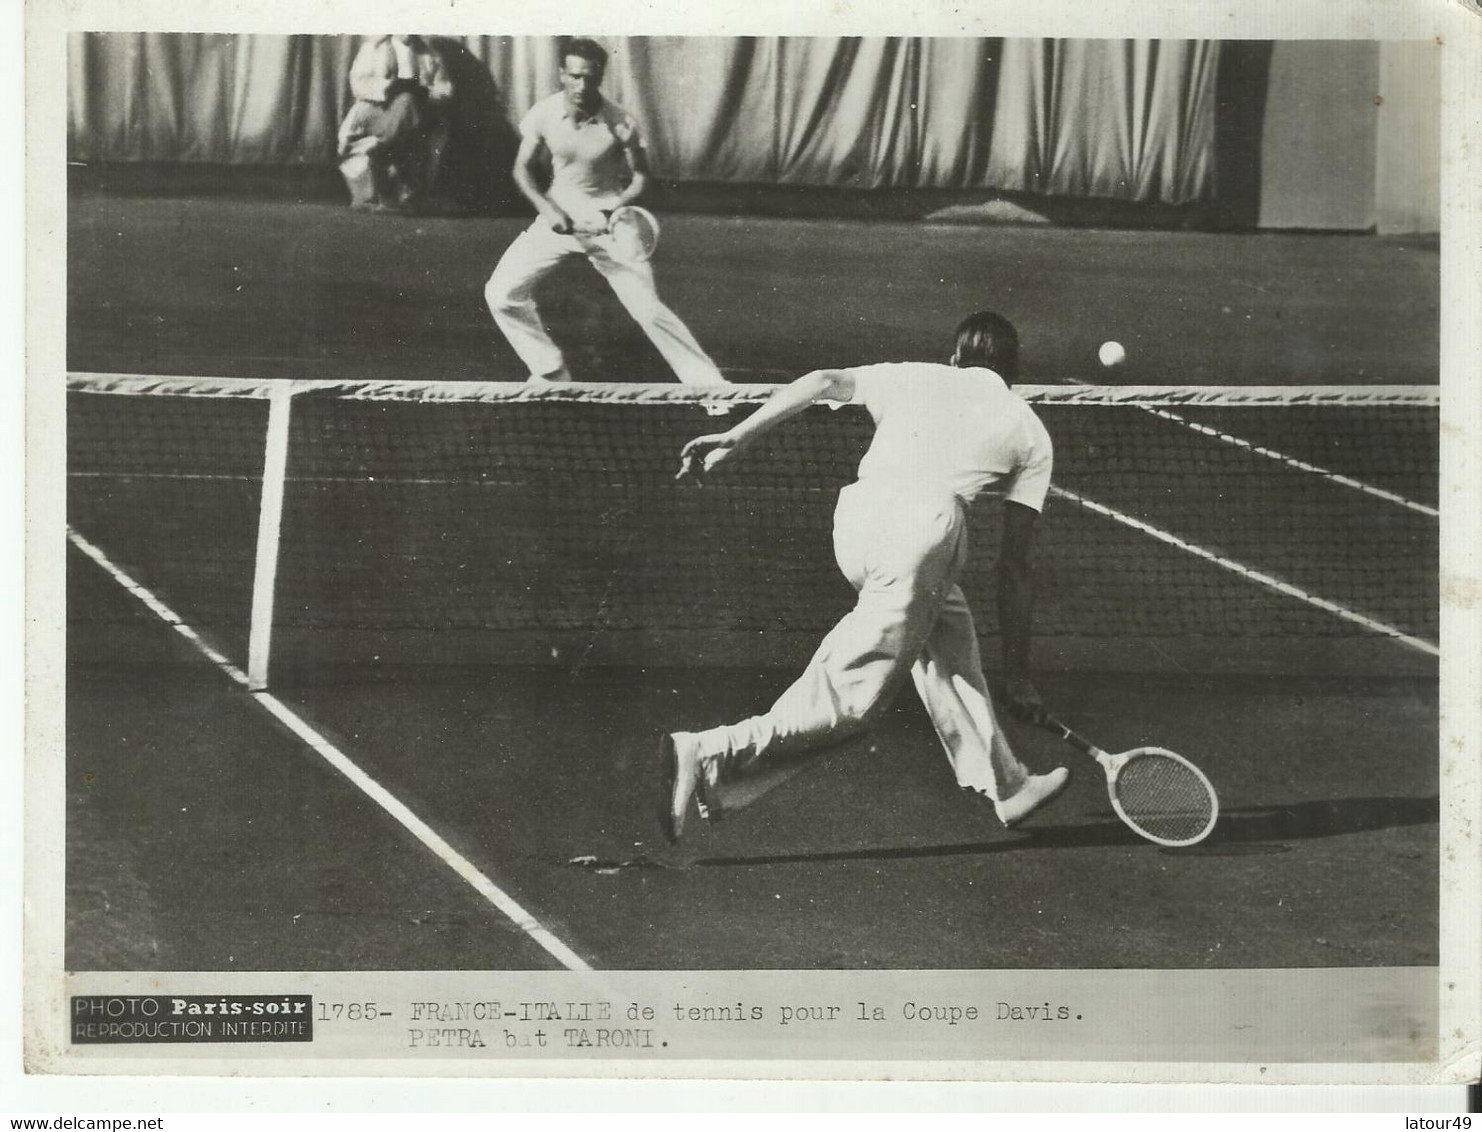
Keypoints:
pixel 1023 701
pixel 702 454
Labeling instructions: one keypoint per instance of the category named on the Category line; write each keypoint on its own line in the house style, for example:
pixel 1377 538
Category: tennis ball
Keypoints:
pixel 1111 354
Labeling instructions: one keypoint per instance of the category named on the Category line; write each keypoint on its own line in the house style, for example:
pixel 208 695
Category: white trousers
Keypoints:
pixel 903 556
pixel 535 251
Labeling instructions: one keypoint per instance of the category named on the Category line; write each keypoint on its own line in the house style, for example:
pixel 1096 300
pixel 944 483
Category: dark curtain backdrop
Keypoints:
pixel 1131 119
pixel 1120 119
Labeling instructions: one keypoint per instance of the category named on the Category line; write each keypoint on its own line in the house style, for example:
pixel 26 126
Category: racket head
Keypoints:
pixel 1162 796
pixel 633 233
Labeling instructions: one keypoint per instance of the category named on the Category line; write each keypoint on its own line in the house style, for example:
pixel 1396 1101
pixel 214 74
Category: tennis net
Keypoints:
pixel 1261 529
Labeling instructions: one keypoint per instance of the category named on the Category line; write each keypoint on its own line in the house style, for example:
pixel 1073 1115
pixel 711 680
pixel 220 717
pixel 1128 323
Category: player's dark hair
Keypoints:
pixel 588 49
pixel 989 340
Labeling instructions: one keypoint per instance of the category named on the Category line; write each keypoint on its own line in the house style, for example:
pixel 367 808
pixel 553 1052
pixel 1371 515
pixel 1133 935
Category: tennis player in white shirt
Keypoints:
pixel 943 434
pixel 597 163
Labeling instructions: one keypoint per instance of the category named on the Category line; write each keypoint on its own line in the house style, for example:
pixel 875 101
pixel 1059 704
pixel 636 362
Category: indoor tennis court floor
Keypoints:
pixel 204 835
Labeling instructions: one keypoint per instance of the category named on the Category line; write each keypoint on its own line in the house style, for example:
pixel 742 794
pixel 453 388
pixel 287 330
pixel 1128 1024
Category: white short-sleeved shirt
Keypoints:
pixel 960 428
pixel 589 160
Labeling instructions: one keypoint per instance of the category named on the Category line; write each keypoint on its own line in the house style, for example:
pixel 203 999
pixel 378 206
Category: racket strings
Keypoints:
pixel 633 234
pixel 1165 799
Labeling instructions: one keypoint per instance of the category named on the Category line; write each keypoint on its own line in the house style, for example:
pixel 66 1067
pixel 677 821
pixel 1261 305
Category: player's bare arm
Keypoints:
pixel 526 163
pixel 637 165
pixel 704 453
pixel 1016 608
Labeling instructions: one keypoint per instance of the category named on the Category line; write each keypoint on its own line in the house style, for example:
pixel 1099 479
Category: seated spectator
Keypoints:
pixel 392 141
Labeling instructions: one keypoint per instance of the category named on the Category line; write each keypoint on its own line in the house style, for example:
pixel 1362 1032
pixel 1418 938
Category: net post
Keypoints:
pixel 269 529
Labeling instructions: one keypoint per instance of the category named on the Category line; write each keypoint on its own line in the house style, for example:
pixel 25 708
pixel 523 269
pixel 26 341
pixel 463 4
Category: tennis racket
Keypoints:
pixel 1159 795
pixel 631 234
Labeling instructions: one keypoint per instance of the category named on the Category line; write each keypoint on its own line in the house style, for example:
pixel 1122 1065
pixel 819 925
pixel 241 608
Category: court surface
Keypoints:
pixel 203 835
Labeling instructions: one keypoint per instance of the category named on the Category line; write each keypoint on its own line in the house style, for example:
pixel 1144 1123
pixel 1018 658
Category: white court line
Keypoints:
pixel 1290 461
pixel 1247 572
pixel 419 829
pixel 157 607
pixel 1294 462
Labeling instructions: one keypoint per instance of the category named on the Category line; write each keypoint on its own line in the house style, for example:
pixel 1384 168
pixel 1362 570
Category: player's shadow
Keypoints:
pixel 1248 830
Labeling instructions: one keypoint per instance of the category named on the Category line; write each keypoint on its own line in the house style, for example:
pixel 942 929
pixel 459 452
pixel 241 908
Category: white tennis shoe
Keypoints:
pixel 1036 791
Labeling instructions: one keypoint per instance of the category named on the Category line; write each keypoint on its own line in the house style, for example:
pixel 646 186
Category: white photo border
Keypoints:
pixel 1458 29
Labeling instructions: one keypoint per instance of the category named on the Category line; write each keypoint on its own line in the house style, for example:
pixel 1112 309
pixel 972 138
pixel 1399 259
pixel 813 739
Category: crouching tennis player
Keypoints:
pixel 943 434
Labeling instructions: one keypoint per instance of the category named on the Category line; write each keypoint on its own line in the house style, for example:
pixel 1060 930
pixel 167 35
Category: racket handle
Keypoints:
pixel 1055 727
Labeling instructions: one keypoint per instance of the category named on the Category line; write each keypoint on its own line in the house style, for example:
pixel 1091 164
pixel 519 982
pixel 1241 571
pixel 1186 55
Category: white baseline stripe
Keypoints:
pixel 1267 580
pixel 419 829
